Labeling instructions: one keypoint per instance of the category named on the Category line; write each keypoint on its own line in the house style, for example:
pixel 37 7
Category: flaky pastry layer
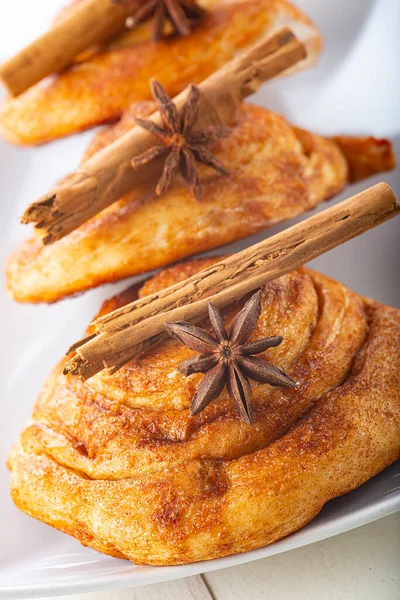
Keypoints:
pixel 118 463
pixel 277 171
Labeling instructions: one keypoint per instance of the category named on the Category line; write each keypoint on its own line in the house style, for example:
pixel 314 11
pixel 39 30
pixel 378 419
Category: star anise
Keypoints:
pixel 182 144
pixel 182 14
pixel 227 359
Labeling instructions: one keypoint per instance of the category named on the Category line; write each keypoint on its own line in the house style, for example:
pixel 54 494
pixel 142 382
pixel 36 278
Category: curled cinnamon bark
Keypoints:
pixel 108 175
pixel 91 22
pixel 121 334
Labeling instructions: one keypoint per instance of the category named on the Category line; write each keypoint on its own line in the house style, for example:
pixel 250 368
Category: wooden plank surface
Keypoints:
pixel 362 564
pixel 191 588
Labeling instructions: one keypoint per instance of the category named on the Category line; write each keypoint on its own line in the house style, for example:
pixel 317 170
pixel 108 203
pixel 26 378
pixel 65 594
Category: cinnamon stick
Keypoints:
pixel 126 332
pixel 91 22
pixel 108 175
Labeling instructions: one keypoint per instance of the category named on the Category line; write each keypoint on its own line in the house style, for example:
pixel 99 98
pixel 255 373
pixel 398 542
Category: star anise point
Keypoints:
pixel 181 14
pixel 184 146
pixel 228 359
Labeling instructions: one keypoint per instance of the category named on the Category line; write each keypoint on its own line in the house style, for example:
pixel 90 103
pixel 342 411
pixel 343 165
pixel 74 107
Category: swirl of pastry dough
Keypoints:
pixel 118 463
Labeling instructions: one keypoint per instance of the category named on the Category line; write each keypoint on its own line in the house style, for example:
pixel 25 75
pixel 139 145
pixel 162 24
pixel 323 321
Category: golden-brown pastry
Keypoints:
pixel 101 85
pixel 277 172
pixel 118 463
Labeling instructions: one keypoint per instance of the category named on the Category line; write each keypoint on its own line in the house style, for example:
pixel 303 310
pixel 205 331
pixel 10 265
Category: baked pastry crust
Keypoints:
pixel 118 463
pixel 277 172
pixel 99 87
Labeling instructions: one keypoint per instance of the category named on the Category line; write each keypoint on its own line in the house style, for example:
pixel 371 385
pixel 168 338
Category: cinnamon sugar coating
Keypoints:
pixel 118 463
pixel 277 171
pixel 105 82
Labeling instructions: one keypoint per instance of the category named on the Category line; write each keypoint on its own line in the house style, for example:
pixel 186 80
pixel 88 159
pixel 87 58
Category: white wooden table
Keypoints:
pixel 362 564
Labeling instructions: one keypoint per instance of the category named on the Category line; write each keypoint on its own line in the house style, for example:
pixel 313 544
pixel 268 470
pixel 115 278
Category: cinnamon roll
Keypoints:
pixel 118 463
pixel 277 171
pixel 105 81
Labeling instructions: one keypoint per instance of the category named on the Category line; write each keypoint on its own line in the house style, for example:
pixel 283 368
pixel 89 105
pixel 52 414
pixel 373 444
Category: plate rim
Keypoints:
pixel 379 509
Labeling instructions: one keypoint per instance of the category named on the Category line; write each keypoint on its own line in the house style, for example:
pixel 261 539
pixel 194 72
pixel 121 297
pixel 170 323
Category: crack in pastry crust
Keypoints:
pixel 118 463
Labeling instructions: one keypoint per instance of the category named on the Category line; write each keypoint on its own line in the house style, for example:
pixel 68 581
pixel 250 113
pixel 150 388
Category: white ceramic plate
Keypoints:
pixel 354 89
